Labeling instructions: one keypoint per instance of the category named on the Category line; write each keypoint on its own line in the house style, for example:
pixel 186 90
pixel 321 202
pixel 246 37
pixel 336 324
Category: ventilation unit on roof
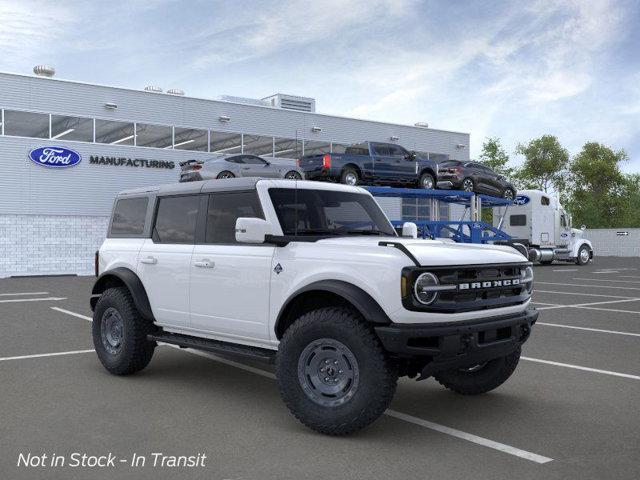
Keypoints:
pixel 153 88
pixel 292 102
pixel 44 71
pixel 175 91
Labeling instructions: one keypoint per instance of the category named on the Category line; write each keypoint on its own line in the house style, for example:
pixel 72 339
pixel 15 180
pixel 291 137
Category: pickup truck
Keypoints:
pixel 372 163
pixel 312 277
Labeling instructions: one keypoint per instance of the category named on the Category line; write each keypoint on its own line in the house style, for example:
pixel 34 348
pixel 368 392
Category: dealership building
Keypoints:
pixel 53 219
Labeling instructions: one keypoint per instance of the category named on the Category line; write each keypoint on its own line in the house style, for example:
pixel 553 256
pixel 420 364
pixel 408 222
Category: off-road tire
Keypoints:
pixel 377 375
pixel 423 178
pixel 349 171
pixel 135 351
pixel 493 374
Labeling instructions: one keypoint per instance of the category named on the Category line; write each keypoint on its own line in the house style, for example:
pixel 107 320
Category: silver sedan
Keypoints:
pixel 230 166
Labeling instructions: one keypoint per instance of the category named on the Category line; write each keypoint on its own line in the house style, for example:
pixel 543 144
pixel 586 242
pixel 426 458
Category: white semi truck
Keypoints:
pixel 540 223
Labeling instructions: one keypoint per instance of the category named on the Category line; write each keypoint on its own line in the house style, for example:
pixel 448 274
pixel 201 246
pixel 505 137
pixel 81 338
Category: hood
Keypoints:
pixel 438 252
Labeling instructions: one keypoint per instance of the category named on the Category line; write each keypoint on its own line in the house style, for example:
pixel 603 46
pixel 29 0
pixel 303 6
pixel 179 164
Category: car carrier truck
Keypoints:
pixel 538 221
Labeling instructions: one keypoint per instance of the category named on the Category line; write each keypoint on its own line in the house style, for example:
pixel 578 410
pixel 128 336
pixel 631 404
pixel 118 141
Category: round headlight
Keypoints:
pixel 526 277
pixel 422 288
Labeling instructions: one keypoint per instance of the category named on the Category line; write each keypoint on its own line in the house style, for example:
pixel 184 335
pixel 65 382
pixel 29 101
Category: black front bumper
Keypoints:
pixel 446 346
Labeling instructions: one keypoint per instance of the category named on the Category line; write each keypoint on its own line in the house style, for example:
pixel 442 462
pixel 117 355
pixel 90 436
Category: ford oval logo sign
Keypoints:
pixel 521 200
pixel 56 157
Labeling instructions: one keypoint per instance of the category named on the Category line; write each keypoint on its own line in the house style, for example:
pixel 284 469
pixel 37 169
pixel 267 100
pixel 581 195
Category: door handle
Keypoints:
pixel 149 260
pixel 204 263
pixel 246 168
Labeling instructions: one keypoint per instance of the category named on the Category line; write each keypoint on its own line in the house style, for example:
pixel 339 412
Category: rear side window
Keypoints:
pixel 176 219
pixel 517 220
pixel 223 211
pixel 128 217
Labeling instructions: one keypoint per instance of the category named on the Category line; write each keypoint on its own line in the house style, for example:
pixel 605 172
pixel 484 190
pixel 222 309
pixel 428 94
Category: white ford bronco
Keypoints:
pixel 313 277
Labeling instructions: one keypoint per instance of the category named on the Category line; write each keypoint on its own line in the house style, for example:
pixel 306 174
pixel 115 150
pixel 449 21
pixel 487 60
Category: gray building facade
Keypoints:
pixel 53 219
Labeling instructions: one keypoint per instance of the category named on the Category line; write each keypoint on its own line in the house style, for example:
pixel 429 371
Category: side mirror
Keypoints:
pixel 251 230
pixel 583 227
pixel 409 230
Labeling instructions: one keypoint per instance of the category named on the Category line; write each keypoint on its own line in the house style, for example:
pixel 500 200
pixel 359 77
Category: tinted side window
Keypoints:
pixel 235 160
pixel 381 149
pixel 253 160
pixel 223 211
pixel 176 219
pixel 517 220
pixel 397 151
pixel 128 216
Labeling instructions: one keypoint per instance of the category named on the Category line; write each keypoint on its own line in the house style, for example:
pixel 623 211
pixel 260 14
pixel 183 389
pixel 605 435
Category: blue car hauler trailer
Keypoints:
pixel 473 230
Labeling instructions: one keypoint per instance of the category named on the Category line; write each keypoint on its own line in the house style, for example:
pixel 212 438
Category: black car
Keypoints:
pixel 474 177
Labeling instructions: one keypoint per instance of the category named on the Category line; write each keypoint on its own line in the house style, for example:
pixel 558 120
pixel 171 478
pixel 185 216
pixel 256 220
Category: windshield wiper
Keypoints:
pixel 314 231
pixel 366 232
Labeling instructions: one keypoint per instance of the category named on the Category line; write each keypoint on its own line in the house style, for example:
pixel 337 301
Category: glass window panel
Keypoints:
pixel 129 216
pixel 258 145
pixel 312 147
pixel 338 147
pixel 26 124
pixel 190 139
pixel 224 142
pixel 223 211
pixel 115 133
pixel 72 128
pixel 157 136
pixel 176 219
pixel 287 148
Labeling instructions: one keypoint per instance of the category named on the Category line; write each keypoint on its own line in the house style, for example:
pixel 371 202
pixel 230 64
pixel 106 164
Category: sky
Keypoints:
pixel 514 70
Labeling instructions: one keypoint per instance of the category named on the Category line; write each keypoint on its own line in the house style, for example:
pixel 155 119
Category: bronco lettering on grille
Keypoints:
pixel 510 282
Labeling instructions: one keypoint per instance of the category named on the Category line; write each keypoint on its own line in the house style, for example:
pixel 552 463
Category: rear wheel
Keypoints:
pixel 225 174
pixel 468 185
pixel 333 373
pixel 584 255
pixel 349 177
pixel 480 378
pixel 427 181
pixel 293 175
pixel 120 333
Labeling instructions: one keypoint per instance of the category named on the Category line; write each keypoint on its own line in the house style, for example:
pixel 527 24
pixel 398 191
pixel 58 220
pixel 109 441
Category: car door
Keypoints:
pixel 479 177
pixel 492 180
pixel 164 263
pixel 254 166
pixel 229 291
pixel 382 162
pixel 402 164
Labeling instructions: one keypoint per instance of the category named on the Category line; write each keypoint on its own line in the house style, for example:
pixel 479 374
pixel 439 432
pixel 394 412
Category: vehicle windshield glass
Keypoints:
pixel 328 212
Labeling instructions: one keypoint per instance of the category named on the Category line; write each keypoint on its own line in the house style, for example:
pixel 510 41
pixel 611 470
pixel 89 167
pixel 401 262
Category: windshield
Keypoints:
pixel 328 212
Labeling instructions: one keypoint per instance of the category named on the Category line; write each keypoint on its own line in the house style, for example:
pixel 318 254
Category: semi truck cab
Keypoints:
pixel 538 221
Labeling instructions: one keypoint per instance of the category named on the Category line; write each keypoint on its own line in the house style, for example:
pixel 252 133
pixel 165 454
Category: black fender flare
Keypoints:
pixel 429 170
pixel 361 300
pixel 132 282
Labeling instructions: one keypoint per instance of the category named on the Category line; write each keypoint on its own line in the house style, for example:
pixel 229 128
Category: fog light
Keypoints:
pixel 424 288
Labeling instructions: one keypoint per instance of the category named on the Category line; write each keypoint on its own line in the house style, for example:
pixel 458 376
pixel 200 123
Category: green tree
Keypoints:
pixel 545 165
pixel 495 157
pixel 599 194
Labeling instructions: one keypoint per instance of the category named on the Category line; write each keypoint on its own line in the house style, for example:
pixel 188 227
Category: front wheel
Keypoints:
pixel 120 333
pixel 480 378
pixel 333 373
pixel 427 181
pixel 584 255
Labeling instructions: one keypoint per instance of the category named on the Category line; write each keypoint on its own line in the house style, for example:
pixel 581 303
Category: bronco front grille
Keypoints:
pixel 475 287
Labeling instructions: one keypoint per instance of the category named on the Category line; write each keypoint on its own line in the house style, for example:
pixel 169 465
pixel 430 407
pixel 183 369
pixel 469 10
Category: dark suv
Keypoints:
pixel 474 177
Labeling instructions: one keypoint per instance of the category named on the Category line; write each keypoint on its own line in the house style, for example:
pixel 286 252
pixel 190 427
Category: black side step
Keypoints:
pixel 214 346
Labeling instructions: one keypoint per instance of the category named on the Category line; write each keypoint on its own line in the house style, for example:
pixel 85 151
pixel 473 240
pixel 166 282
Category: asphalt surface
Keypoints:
pixel 569 411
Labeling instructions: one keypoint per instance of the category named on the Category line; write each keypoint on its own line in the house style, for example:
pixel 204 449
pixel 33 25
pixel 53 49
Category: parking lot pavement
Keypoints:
pixel 569 411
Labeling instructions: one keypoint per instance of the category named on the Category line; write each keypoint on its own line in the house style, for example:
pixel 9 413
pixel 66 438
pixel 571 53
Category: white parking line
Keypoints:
pixel 586 305
pixel 605 280
pixel 551 304
pixel 47 299
pixel 628 276
pixel 579 367
pixel 23 293
pixel 582 294
pixel 591 286
pixel 73 314
pixel 400 416
pixel 598 330
pixel 609 310
pixel 41 355
pixel 392 413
